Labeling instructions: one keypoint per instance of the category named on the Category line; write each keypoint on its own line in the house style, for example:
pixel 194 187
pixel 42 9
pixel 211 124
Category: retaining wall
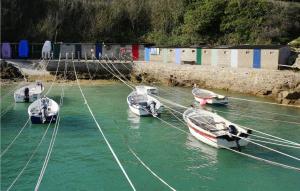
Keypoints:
pixel 272 83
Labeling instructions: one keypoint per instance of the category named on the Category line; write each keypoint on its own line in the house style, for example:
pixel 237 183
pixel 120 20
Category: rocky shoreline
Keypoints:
pixel 282 86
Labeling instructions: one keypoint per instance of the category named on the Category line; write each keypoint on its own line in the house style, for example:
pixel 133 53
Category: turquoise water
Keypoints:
pixel 81 160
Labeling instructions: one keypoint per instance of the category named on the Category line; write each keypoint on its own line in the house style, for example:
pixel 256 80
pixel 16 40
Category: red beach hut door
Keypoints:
pixel 135 51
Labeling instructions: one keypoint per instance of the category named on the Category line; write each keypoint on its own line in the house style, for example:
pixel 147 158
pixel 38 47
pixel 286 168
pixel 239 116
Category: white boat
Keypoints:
pixel 143 104
pixel 205 96
pixel 29 93
pixel 146 90
pixel 214 130
pixel 43 110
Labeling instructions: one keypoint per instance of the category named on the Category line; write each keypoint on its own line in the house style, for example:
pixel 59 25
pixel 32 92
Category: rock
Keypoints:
pixel 293 95
pixel 284 94
pixel 9 71
pixel 286 101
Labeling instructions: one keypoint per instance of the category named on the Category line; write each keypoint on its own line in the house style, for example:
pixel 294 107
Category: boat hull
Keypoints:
pixel 141 111
pixel 212 101
pixel 21 98
pixel 39 119
pixel 215 141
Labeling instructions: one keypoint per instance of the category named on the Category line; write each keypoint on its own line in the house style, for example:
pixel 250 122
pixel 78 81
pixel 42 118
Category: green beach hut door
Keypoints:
pixel 199 56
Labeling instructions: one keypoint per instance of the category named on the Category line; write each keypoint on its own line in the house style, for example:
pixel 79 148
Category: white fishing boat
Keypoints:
pixel 205 96
pixel 143 104
pixel 214 130
pixel 43 110
pixel 146 90
pixel 29 93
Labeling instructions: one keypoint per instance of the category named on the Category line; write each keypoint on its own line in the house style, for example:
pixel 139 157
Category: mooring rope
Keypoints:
pixel 12 142
pixel 51 145
pixel 274 150
pixel 30 158
pixel 235 107
pixel 263 160
pixel 55 77
pixel 264 102
pixel 272 143
pixel 123 63
pixel 261 118
pixel 151 171
pixel 102 133
pixel 178 105
pixel 280 141
pixel 7 109
pixel 116 76
pixel 238 136
pixel 88 69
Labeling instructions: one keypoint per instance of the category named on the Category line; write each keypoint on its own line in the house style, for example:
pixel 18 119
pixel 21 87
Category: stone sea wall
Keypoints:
pixel 283 86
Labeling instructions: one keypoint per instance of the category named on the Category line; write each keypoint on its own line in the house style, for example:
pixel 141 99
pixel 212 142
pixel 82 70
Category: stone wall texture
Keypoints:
pixel 284 86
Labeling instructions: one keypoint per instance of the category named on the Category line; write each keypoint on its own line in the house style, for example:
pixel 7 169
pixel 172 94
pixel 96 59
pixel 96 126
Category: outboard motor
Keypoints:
pixel 233 130
pixel 26 95
pixel 153 109
pixel 44 110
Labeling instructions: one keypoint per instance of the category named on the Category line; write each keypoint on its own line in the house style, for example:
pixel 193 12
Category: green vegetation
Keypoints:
pixel 164 22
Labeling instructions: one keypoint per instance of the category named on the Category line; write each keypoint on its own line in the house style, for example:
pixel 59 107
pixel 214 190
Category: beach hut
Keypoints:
pixel 135 51
pixel 98 50
pixel 147 54
pixel 177 55
pixel 6 50
pixel 66 50
pixel 88 51
pixel 23 49
pixel 78 51
pixel 188 55
pixel 46 50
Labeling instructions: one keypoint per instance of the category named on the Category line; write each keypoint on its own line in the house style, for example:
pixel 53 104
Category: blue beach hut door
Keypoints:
pixel 23 49
pixel 98 50
pixel 256 58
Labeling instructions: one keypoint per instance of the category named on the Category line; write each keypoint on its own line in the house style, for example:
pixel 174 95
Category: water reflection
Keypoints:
pixel 205 156
pixel 133 119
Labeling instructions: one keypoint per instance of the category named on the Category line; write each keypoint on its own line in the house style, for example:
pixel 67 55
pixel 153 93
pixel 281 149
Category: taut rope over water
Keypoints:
pixel 102 133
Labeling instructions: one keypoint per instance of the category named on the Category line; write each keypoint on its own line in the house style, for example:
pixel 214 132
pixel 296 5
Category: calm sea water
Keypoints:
pixel 82 161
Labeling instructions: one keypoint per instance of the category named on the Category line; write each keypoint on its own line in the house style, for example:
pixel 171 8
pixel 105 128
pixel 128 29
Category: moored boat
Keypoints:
pixel 43 110
pixel 29 93
pixel 205 96
pixel 214 130
pixel 146 90
pixel 143 104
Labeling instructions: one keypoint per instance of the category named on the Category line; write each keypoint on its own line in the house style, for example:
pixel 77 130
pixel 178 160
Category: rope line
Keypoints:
pixel 235 135
pixel 30 158
pixel 51 145
pixel 255 117
pixel 151 171
pixel 265 102
pixel 55 77
pixel 272 143
pixel 102 133
pixel 12 142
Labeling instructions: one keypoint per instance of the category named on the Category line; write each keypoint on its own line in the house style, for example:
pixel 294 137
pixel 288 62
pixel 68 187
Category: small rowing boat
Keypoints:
pixel 205 96
pixel 146 90
pixel 214 130
pixel 143 104
pixel 43 110
pixel 29 93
